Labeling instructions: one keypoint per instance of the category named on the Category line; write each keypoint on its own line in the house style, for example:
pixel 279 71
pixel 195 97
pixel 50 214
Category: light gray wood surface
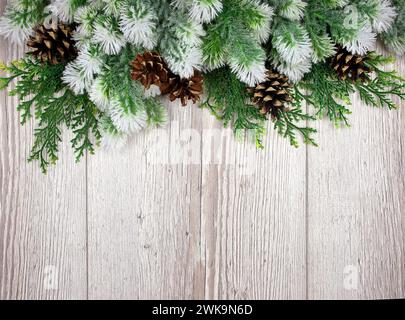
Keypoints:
pixel 187 212
pixel 356 206
pixel 42 218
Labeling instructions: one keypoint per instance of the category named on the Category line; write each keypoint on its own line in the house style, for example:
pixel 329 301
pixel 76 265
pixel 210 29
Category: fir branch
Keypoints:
pixel 157 114
pixel 20 17
pixel 125 97
pixel 235 37
pixel 394 38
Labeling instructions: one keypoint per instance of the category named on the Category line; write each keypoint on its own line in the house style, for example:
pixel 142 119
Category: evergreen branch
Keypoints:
pixel 326 90
pixel 13 71
pixel 287 126
pixel 228 100
pixel 157 115
pixel 40 88
pixel 379 91
pixel 85 126
pixel 325 93
pixel 48 134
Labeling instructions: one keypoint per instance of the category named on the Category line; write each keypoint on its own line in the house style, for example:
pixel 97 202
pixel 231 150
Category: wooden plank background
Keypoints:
pixel 187 212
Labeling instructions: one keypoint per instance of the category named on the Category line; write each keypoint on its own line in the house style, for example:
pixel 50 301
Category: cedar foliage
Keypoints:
pixel 232 43
pixel 329 95
pixel 229 100
pixel 43 95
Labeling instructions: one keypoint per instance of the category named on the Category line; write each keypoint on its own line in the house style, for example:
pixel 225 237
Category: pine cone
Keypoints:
pixel 184 89
pixel 350 66
pixel 272 95
pixel 149 69
pixel 54 45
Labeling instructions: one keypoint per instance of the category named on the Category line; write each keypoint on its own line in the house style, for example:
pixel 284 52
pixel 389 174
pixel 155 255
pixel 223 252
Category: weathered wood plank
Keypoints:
pixel 253 217
pixel 144 215
pixel 356 207
pixel 42 218
pixel 178 216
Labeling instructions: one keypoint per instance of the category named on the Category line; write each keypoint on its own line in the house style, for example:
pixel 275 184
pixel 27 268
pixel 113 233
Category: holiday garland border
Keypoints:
pixel 100 67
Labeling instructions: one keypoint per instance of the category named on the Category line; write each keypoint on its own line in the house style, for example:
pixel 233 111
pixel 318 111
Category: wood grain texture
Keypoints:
pixel 166 230
pixel 253 217
pixel 356 207
pixel 187 212
pixel 42 218
pixel 144 215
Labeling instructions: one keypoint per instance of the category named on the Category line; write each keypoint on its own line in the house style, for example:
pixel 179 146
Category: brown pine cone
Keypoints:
pixel 54 45
pixel 272 95
pixel 350 66
pixel 150 69
pixel 184 89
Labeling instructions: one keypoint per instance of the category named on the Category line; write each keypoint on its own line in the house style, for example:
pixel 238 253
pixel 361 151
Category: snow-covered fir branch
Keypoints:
pixel 247 36
pixel 19 19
